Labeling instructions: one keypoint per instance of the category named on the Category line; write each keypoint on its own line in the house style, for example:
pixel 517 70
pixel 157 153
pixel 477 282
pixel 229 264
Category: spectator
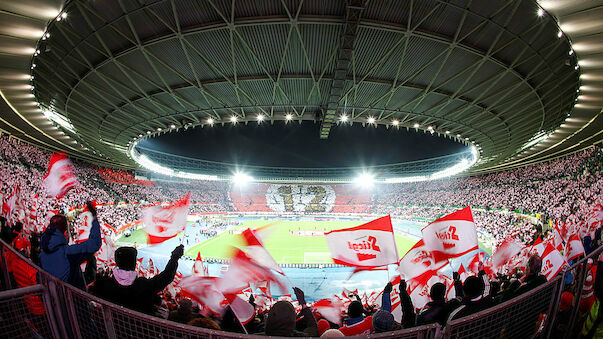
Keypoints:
pixel 61 260
pixel 473 301
pixel 281 318
pixel 437 310
pixel 125 289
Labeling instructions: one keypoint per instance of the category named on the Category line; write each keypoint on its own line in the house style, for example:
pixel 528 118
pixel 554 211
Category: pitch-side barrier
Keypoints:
pixel 50 308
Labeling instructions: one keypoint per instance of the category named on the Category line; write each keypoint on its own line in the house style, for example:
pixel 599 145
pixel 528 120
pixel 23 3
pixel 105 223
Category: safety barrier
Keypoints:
pixel 72 313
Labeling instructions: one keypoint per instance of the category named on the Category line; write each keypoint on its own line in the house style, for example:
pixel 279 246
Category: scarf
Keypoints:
pixel 123 277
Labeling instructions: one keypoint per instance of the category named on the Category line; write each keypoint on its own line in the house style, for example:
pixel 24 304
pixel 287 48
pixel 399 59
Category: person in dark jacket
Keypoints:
pixel 62 260
pixel 136 293
pixel 438 309
pixel 532 279
pixel 281 318
pixel 473 300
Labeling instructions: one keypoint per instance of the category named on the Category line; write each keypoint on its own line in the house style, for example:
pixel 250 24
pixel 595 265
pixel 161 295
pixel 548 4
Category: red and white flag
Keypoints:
pixel 538 247
pixel 165 222
pixel 451 236
pixel 507 250
pixel 557 239
pixel 199 268
pixel 329 309
pixel 243 270
pixel 369 245
pixel 12 203
pixel 241 308
pixel 474 263
pixel 60 177
pixel 416 261
pixel 256 250
pixel 463 274
pixel 573 248
pixel 204 291
pixel 552 262
pixel 105 256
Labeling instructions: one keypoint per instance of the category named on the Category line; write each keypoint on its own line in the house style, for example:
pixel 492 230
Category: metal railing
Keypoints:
pixel 72 313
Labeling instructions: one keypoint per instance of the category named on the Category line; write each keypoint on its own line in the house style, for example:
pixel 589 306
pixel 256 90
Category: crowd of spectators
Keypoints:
pixel 564 189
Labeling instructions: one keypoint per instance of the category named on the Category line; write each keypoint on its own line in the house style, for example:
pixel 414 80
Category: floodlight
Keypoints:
pixel 416 125
pixel 371 120
pixel 540 12
pixel 343 118
pixel 288 117
pixel 365 180
pixel 240 178
pixel 559 34
pixel 233 119
pixel 158 129
pixel 172 126
pixel 395 122
pixel 210 121
pixel 148 132
pixel 260 117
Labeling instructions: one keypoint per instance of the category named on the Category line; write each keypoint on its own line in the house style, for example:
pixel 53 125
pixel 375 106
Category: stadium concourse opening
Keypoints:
pixel 220 168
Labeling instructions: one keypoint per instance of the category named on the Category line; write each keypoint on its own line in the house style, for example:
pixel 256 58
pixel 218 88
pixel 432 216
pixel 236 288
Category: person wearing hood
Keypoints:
pixel 281 319
pixel 63 261
pixel 126 289
pixel 438 309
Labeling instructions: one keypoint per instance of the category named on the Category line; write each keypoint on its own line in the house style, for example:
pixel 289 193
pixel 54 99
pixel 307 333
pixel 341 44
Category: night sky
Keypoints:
pixel 295 145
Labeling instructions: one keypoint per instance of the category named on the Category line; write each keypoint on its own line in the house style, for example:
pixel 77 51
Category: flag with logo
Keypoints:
pixel 451 236
pixel 369 245
pixel 243 270
pixel 60 177
pixel 416 261
pixel 165 222
pixel 204 291
pixel 552 262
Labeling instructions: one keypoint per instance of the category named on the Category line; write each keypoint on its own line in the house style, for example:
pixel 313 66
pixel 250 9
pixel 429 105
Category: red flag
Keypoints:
pixel 60 177
pixel 242 271
pixel 451 236
pixel 204 291
pixel 463 273
pixel 552 262
pixel 199 268
pixel 165 222
pixel 416 261
pixel 508 249
pixel 242 309
pixel 329 309
pixel 573 248
pixel 256 250
pixel 557 239
pixel 475 261
pixel 537 247
pixel 368 245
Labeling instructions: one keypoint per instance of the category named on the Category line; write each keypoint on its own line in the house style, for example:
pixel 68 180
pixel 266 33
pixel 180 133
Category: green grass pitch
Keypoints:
pixel 282 245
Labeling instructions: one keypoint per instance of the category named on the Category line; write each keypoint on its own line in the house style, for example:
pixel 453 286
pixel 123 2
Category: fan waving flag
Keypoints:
pixel 60 177
pixel 243 270
pixel 204 291
pixel 451 236
pixel 370 245
pixel 165 222
pixel 330 309
pixel 256 250
pixel 573 248
pixel 416 261
pixel 552 262
pixel 508 249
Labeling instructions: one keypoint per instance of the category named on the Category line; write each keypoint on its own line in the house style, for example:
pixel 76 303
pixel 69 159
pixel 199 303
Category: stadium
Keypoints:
pixel 236 169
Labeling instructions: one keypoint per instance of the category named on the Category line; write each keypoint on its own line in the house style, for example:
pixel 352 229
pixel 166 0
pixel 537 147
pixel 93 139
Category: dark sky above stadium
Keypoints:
pixel 295 145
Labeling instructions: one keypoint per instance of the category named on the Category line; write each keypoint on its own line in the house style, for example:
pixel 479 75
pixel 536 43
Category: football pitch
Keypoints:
pixel 289 242
pixel 284 242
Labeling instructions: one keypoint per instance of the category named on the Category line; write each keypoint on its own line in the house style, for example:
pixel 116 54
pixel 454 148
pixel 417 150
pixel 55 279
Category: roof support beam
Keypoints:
pixel 342 64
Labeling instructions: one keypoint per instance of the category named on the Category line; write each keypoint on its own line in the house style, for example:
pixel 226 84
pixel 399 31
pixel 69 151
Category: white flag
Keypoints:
pixel 416 261
pixel 60 177
pixel 451 236
pixel 368 245
pixel 552 262
pixel 573 248
pixel 165 222
pixel 507 250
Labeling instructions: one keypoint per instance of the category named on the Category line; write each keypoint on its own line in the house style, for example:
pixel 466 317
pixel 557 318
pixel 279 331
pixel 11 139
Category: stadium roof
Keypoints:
pixel 521 80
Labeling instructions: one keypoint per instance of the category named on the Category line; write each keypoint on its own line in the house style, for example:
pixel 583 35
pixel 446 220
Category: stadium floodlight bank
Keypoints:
pixel 164 166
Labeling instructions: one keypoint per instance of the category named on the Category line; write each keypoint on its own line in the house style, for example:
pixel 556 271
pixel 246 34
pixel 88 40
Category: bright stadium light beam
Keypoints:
pixel 343 118
pixel 371 120
pixel 260 117
pixel 366 180
pixel 241 179
pixel 288 117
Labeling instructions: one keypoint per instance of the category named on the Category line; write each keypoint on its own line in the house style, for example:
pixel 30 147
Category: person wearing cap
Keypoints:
pixel 126 289
pixel 63 261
